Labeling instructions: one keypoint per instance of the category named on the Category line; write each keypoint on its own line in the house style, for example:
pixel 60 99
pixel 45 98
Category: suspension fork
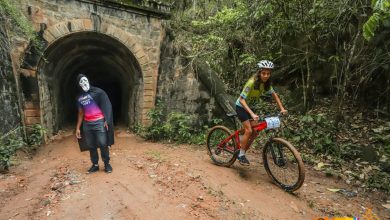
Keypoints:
pixel 277 153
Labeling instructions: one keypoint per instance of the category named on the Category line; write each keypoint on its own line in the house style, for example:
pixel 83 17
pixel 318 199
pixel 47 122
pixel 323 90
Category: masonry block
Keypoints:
pixel 148 105
pixel 48 36
pixel 110 30
pixel 32 113
pixel 130 41
pixel 77 25
pixel 148 87
pixel 136 48
pixel 31 105
pixel 148 80
pixel 118 34
pixel 87 24
pixel 145 112
pixel 146 122
pixel 62 29
pixel 148 98
pixel 140 54
pixel 33 120
pixel 103 27
pixel 144 61
pixel 28 73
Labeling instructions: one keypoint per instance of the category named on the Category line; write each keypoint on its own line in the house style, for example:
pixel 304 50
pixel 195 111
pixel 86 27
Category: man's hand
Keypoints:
pixel 106 125
pixel 255 117
pixel 78 135
pixel 283 111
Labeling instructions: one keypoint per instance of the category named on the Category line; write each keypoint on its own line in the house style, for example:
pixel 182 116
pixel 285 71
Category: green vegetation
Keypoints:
pixel 13 141
pixel 380 17
pixel 332 59
pixel 318 46
pixel 35 136
pixel 19 23
pixel 175 127
pixel 9 143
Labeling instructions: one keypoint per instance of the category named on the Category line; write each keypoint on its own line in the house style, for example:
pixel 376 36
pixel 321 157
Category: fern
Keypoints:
pixel 370 26
pixel 381 13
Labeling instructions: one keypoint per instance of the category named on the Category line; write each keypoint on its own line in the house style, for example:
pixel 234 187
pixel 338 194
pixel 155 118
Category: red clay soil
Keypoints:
pixel 159 181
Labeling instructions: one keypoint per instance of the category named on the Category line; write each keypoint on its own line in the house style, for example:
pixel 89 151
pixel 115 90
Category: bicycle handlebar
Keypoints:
pixel 279 115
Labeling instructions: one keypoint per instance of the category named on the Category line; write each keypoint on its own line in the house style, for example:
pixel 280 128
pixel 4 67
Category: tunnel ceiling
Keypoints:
pixel 107 63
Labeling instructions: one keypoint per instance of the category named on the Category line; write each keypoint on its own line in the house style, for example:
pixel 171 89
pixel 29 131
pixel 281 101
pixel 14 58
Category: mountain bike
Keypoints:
pixel 281 160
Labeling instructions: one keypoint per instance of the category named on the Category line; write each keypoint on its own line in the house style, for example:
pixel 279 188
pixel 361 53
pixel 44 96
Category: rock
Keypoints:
pixel 294 207
pixel 348 193
pixel 182 205
pixel 57 186
pixel 74 182
pixel 153 165
pixel 200 198
pixel 387 206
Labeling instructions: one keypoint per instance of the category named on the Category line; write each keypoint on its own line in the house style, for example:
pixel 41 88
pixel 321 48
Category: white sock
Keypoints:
pixel 242 152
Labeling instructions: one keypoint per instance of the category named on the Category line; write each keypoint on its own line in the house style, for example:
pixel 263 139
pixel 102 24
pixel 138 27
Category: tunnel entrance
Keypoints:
pixel 106 62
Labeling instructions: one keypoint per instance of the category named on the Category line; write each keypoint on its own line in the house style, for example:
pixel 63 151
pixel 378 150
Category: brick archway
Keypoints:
pixel 150 71
pixel 146 91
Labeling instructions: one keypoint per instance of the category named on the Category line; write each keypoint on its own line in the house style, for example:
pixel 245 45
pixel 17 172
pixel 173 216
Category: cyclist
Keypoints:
pixel 259 84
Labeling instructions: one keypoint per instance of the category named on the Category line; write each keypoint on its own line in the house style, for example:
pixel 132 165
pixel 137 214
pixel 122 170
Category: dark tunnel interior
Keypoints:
pixel 106 62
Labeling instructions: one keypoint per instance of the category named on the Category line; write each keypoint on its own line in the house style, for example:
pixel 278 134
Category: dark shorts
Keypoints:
pixel 242 114
pixel 95 133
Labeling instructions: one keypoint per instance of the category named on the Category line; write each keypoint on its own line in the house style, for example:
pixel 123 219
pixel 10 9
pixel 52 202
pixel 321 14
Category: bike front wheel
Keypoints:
pixel 220 147
pixel 284 164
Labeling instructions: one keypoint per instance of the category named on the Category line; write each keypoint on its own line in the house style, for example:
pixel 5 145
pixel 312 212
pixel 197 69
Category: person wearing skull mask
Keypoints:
pixel 96 118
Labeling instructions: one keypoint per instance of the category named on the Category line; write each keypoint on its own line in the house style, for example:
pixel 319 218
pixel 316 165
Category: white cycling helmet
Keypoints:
pixel 265 64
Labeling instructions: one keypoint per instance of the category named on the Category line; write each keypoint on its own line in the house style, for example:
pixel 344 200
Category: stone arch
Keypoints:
pixel 82 28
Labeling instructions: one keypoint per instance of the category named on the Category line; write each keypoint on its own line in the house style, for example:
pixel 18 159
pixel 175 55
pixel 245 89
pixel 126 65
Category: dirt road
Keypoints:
pixel 157 181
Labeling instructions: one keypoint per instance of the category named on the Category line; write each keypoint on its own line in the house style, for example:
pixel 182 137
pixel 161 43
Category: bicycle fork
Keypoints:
pixel 277 154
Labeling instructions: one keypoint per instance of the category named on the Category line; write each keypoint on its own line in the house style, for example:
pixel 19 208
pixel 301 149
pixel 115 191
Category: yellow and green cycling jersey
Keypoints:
pixel 252 95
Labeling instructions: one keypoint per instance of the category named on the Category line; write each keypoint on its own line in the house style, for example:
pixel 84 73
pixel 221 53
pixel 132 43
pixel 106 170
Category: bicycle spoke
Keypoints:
pixel 288 173
pixel 220 149
pixel 283 164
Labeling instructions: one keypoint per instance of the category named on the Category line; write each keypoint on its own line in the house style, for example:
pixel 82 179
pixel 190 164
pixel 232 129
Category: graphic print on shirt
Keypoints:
pixel 92 112
pixel 252 95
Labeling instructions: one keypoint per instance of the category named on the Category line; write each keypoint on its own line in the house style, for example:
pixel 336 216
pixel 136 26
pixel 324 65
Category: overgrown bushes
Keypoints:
pixel 175 127
pixel 357 151
pixel 20 24
pixel 9 143
pixel 13 141
pixel 318 47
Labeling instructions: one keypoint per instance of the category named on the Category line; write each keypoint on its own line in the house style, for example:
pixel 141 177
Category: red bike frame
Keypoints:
pixel 257 128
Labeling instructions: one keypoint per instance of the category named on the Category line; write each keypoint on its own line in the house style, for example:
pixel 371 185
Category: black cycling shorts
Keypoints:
pixel 242 114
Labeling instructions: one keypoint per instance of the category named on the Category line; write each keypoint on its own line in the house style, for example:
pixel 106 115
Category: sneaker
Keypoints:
pixel 243 161
pixel 93 168
pixel 108 168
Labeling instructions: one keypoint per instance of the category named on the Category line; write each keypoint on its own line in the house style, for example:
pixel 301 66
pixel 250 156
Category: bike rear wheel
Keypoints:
pixel 221 154
pixel 284 164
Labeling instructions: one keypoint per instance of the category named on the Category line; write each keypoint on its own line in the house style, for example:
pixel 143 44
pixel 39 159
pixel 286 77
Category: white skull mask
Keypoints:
pixel 84 83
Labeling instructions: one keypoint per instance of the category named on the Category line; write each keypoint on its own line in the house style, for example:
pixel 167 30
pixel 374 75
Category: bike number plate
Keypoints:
pixel 272 122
